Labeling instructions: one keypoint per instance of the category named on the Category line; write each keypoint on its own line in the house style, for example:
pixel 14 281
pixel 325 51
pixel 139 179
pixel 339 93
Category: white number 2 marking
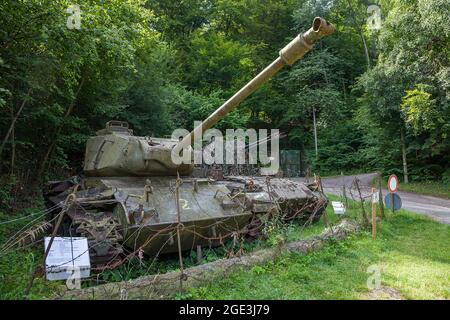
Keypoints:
pixel 184 204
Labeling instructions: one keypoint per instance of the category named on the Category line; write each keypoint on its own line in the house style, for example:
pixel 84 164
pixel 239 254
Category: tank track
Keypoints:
pixel 102 231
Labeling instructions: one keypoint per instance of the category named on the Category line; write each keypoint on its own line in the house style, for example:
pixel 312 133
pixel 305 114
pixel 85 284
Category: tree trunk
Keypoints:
pixel 57 133
pixel 315 134
pixel 13 142
pixel 13 122
pixel 360 33
pixel 405 164
pixel 366 50
pixel 366 219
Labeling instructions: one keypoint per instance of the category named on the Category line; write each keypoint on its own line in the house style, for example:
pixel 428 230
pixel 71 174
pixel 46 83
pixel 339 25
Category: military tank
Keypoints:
pixel 132 198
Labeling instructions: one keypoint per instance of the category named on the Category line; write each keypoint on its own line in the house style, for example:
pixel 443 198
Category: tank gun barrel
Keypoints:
pixel 294 51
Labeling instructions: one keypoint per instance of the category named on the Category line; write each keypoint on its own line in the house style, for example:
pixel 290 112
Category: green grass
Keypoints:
pixel 16 266
pixel 431 188
pixel 411 251
pixel 428 188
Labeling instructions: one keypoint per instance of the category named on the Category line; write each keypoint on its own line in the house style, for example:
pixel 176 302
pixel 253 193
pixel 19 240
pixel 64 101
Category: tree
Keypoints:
pixel 72 80
pixel 408 88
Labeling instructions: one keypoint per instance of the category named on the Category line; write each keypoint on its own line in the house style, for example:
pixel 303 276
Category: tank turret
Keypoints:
pixel 116 152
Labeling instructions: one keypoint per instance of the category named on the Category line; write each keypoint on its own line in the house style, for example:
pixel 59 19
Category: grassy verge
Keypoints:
pixel 17 265
pixel 430 188
pixel 411 252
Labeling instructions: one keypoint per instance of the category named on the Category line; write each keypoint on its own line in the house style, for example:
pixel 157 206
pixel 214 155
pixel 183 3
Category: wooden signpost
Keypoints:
pixel 392 200
pixel 375 199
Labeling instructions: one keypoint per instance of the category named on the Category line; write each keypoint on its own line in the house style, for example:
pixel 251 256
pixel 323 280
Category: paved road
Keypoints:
pixel 436 208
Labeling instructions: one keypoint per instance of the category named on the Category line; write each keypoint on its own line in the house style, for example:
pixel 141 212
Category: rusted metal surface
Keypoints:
pixel 123 211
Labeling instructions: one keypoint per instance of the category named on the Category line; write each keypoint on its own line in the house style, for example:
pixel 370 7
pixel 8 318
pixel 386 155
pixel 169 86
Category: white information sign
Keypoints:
pixel 68 256
pixel 338 207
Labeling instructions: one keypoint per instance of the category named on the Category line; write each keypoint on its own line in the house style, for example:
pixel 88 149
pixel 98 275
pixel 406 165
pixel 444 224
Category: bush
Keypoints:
pixel 446 177
pixel 7 183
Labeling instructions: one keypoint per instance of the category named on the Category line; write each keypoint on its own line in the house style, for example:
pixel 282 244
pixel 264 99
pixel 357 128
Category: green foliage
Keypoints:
pixel 76 80
pixel 408 251
pixel 339 149
pixel 274 231
pixel 186 106
pixel 259 269
pixel 216 62
pixel 408 88
pixel 7 183
pixel 446 177
pixel 162 65
pixel 419 108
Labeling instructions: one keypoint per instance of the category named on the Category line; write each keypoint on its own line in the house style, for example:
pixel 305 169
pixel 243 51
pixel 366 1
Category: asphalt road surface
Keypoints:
pixel 434 207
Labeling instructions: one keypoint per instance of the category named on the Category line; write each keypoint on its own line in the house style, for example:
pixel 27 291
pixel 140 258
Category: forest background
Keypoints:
pixel 380 95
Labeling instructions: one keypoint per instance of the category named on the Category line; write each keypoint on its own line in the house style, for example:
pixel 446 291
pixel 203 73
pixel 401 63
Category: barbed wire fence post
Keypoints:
pixel 374 214
pixel 177 202
pixel 319 182
pixel 381 204
pixel 67 204
pixel 344 191
pixel 366 219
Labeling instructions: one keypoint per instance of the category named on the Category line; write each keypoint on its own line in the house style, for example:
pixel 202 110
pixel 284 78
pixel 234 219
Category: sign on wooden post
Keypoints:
pixel 393 183
pixel 393 200
pixel 375 199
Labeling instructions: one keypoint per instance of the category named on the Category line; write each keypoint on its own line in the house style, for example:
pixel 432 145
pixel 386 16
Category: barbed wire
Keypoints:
pixel 42 213
pixel 8 244
pixel 237 236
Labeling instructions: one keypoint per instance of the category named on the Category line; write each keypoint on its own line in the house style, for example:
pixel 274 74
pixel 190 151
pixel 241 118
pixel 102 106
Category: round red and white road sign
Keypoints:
pixel 393 183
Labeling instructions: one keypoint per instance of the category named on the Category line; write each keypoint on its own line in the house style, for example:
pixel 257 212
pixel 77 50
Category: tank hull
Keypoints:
pixel 161 239
pixel 128 215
